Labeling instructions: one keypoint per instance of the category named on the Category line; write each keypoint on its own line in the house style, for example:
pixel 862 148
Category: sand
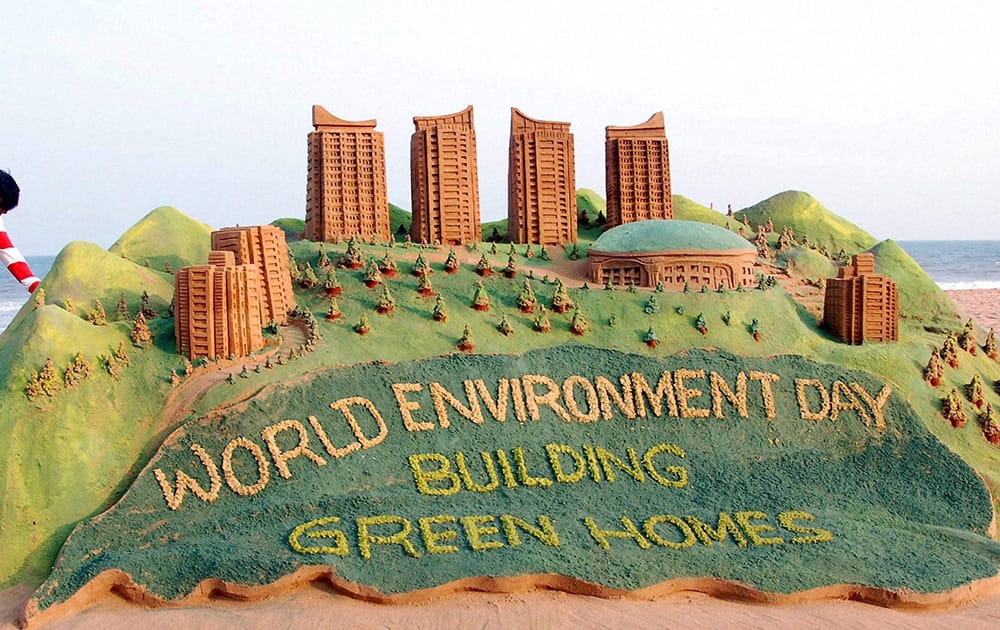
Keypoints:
pixel 317 605
pixel 982 305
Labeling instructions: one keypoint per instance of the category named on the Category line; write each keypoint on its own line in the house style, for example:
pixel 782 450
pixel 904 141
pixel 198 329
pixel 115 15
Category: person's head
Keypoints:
pixel 9 192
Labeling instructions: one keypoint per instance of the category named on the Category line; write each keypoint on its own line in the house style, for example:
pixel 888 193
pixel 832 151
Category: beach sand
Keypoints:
pixel 982 305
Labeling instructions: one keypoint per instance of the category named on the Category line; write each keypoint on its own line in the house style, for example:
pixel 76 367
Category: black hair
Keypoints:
pixel 9 192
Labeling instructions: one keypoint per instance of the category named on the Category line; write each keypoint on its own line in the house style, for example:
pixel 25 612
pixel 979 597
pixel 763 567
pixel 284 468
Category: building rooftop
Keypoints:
pixel 658 235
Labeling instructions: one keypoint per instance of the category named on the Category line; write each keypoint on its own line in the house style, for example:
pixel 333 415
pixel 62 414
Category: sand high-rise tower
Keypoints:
pixel 444 179
pixel 541 182
pixel 637 172
pixel 345 190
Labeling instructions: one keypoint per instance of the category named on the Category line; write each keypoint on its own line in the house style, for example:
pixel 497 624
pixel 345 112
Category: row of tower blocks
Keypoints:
pixel 346 184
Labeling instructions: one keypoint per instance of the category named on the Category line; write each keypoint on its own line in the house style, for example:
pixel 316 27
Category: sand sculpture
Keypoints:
pixel 346 190
pixel 218 308
pixel 861 305
pixel 541 184
pixel 637 172
pixel 264 247
pixel 444 179
pixel 674 253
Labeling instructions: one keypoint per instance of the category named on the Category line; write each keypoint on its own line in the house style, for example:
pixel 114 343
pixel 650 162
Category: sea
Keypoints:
pixel 954 265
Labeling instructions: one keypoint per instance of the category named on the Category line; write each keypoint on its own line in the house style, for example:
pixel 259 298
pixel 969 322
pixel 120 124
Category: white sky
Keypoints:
pixel 886 112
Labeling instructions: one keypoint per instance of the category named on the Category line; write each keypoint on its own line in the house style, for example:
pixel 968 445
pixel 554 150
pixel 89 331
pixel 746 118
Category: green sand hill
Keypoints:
pixel 805 215
pixel 165 235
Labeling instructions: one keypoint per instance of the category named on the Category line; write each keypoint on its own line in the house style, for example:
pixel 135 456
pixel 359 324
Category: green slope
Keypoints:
pixel 808 263
pixel 590 202
pixel 919 296
pixel 293 228
pixel 399 217
pixel 84 272
pixel 163 235
pixel 687 210
pixel 805 215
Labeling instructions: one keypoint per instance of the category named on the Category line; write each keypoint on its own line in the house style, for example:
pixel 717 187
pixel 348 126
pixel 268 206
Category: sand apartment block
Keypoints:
pixel 637 172
pixel 860 305
pixel 541 182
pixel 264 247
pixel 217 309
pixel 444 179
pixel 346 181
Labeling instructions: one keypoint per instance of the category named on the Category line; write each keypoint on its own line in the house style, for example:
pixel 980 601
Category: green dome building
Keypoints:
pixel 674 253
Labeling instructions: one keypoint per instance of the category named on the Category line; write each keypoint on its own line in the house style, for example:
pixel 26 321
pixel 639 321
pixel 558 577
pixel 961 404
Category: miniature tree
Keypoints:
pixel 652 306
pixel 333 310
pixel 974 391
pixel 323 261
pixel 579 325
pixel 687 287
pixel 608 286
pixel 701 324
pixel 493 248
pixel 770 225
pixel 33 388
pixel 141 335
pixel 659 287
pixel 574 254
pixel 145 308
pixel 48 378
pixel 541 322
pixel 949 351
pixel 439 314
pixel 122 312
pixel 787 239
pixel 386 303
pixel 967 340
pixel 612 321
pixel 465 343
pixel 372 277
pixel 761 242
pixel 528 252
pixel 245 372
pixel 543 253
pixel 704 288
pixel 407 241
pixel 527 301
pixel 991 425
pixel 679 309
pixel 650 338
pixel 231 379
pixel 481 299
pixel 98 317
pixel 511 269
pixel 387 266
pixel 451 262
pixel 175 378
pixel 990 347
pixel 68 306
pixel 483 266
pixel 362 327
pixel 934 370
pixel 167 268
pixel 352 258
pixel 727 318
pixel 331 285
pixel 505 328
pixel 121 355
pixel 188 368
pixel 561 302
pixel 951 409
pixel 754 329
pixel 39 298
pixel 77 370
pixel 420 266
pixel 424 286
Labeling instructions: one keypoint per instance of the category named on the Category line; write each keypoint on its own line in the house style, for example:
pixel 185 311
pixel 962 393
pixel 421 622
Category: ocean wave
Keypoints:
pixel 969 285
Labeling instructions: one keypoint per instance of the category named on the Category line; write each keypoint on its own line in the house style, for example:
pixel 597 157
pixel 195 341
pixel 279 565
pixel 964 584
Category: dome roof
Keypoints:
pixel 659 235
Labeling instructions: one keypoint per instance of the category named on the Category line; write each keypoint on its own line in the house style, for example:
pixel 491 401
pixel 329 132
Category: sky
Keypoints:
pixel 887 112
